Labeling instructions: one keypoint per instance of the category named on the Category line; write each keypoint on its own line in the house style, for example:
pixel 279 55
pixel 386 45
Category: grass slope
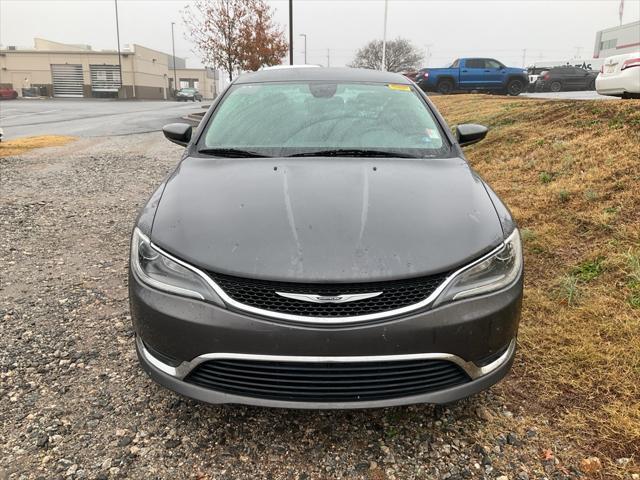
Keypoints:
pixel 570 172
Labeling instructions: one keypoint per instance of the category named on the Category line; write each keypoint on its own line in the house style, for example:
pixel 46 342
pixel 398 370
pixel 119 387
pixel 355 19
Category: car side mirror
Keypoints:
pixel 179 133
pixel 469 133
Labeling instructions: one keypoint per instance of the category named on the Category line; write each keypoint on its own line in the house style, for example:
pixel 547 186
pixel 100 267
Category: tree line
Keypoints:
pixel 241 35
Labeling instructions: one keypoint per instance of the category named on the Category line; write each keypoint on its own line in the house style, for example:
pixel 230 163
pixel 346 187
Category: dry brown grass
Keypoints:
pixel 570 172
pixel 22 145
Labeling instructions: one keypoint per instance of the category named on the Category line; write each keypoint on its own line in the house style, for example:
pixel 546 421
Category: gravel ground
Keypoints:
pixel 75 403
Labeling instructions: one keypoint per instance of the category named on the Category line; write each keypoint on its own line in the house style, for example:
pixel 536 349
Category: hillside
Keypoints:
pixel 570 172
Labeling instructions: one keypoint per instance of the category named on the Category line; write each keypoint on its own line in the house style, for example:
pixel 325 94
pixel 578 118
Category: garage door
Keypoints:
pixel 67 80
pixel 105 78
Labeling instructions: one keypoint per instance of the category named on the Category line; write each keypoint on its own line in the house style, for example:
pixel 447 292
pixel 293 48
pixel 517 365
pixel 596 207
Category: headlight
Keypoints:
pixel 159 271
pixel 493 273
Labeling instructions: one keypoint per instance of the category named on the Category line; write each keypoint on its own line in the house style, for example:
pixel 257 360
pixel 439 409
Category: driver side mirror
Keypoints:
pixel 470 133
pixel 179 133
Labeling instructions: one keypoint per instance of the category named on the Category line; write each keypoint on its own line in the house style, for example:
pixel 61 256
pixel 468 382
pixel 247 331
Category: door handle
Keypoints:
pixel 487 71
pixel 464 71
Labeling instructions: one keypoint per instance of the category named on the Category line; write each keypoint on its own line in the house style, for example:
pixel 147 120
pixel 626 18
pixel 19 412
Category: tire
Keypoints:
pixel 515 87
pixel 555 87
pixel 445 86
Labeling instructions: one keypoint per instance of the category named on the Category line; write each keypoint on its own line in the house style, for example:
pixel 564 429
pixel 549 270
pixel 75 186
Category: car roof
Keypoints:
pixel 333 74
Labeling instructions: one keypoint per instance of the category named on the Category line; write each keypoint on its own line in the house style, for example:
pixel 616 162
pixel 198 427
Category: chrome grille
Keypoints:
pixel 262 294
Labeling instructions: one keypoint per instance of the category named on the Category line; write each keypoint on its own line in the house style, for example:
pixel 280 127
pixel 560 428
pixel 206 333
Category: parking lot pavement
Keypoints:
pixel 580 95
pixel 77 405
pixel 89 117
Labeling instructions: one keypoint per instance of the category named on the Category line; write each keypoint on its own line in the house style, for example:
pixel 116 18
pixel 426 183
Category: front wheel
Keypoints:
pixel 445 86
pixel 555 87
pixel 515 87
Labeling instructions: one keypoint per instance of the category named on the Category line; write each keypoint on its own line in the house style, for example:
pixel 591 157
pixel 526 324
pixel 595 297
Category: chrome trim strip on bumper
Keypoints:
pixel 182 370
pixel 325 320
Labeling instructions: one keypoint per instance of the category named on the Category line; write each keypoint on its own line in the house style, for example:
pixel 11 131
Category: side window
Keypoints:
pixel 475 63
pixel 455 64
pixel 492 64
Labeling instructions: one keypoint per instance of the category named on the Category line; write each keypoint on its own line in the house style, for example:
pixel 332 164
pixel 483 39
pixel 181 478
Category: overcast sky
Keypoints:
pixel 547 29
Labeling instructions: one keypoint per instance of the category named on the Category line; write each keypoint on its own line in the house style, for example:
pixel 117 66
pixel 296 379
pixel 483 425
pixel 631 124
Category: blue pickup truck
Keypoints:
pixel 467 74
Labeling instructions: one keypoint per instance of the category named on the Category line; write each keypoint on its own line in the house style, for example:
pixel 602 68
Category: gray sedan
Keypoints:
pixel 323 243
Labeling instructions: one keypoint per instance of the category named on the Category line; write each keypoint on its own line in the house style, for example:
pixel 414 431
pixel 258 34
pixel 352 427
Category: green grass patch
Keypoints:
pixel 589 270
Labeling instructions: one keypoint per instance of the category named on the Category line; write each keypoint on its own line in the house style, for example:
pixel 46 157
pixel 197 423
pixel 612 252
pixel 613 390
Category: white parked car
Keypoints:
pixel 620 76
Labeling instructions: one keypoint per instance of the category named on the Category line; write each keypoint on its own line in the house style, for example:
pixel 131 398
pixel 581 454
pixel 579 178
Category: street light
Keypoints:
pixel 305 47
pixel 290 32
pixel 119 56
pixel 384 37
pixel 173 45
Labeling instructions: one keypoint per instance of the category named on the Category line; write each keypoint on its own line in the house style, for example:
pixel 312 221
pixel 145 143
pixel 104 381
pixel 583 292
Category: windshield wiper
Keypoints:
pixel 232 153
pixel 353 152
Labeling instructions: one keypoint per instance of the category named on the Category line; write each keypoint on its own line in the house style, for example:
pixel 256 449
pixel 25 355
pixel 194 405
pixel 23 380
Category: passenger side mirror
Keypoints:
pixel 469 133
pixel 179 133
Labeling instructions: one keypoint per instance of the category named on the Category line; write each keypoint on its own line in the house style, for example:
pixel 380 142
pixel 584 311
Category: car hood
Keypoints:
pixel 319 219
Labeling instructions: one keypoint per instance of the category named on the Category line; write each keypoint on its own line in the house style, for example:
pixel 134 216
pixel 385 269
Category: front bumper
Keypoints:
pixel 171 378
pixel 180 333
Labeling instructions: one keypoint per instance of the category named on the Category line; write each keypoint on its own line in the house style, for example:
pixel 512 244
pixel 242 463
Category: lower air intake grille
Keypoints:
pixel 262 294
pixel 327 382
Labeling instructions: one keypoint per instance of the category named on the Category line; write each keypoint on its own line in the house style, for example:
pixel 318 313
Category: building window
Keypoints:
pixel 189 83
pixel 608 44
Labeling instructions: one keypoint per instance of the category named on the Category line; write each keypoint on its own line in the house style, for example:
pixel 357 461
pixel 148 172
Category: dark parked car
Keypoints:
pixel 410 74
pixel 185 94
pixel 559 79
pixel 534 74
pixel 7 93
pixel 469 74
pixel 324 244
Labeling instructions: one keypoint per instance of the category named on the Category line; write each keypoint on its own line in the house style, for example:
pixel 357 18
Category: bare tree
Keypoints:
pixel 234 34
pixel 400 55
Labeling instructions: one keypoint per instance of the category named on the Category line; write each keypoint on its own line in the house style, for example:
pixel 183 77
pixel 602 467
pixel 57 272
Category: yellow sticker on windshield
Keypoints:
pixel 403 88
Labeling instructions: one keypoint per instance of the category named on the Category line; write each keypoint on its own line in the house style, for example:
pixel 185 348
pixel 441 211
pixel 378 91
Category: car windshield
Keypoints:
pixel 298 118
pixel 187 90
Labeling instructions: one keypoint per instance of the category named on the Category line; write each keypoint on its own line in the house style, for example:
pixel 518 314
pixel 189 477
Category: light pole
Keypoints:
pixel 428 54
pixel 384 37
pixel 173 46
pixel 118 40
pixel 305 47
pixel 290 32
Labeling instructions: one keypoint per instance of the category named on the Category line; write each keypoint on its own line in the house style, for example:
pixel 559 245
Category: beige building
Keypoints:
pixel 63 70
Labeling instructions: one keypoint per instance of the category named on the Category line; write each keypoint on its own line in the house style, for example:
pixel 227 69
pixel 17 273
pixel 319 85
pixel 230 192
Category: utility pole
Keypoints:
pixel 305 47
pixel 578 50
pixel 290 32
pixel 524 58
pixel 428 54
pixel 328 57
pixel 119 57
pixel 384 36
pixel 173 46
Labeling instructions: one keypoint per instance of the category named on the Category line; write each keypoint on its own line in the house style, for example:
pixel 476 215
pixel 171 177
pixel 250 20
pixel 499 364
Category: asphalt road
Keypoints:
pixel 89 118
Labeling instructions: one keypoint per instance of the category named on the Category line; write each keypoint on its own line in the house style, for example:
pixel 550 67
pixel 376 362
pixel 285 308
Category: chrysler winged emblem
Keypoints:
pixel 307 297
